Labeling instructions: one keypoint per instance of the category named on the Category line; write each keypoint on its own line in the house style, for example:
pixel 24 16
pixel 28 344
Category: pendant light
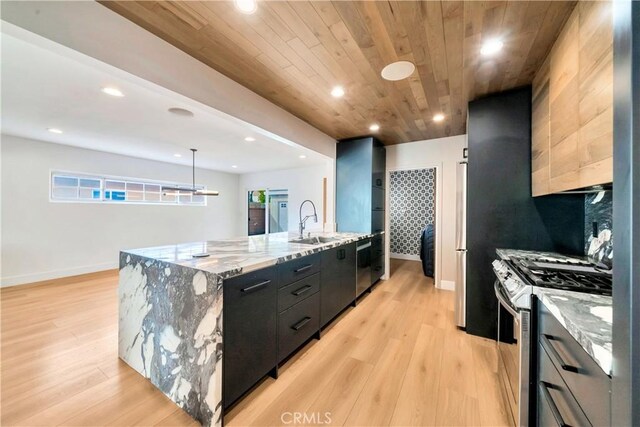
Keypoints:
pixel 193 190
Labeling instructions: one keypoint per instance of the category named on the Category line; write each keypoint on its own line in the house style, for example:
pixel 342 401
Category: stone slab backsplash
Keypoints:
pixel 598 207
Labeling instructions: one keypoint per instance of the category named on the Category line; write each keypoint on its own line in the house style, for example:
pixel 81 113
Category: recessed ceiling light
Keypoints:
pixel 337 92
pixel 54 130
pixel 302 156
pixel 177 155
pixel 246 6
pixel 374 127
pixel 113 91
pixel 249 139
pixel 234 166
pixel 491 47
pixel 438 117
pixel 180 112
pixel 398 70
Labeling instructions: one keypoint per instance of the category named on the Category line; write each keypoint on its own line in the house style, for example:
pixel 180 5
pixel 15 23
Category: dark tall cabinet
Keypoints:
pixel 360 198
pixel 500 210
pixel 360 193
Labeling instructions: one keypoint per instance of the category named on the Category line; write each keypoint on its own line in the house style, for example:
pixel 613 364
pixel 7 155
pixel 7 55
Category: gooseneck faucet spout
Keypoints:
pixel 304 220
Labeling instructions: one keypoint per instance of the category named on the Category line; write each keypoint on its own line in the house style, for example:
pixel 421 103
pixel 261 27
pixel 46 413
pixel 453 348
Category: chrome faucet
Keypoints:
pixel 304 220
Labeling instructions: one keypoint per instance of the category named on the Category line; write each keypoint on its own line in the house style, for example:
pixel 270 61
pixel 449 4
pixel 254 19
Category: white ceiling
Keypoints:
pixel 47 86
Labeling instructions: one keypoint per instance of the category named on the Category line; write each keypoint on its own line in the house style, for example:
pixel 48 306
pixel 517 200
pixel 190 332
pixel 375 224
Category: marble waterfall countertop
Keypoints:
pixel 170 311
pixel 231 257
pixel 588 319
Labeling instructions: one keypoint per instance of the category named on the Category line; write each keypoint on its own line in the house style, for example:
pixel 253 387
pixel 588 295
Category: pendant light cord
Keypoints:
pixel 193 150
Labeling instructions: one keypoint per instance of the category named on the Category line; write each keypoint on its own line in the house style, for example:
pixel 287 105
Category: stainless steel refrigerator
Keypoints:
pixel 461 244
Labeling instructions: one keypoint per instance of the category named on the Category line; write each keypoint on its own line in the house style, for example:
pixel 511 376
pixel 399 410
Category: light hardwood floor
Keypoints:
pixel 395 359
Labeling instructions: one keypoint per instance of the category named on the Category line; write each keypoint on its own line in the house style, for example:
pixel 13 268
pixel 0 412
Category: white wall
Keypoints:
pixel 43 240
pixel 93 30
pixel 444 154
pixel 302 183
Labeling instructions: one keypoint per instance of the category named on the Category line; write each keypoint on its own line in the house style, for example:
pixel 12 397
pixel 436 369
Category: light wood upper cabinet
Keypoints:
pixel 540 131
pixel 572 111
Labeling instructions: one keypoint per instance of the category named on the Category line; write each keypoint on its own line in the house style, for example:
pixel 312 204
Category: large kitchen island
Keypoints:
pixel 172 299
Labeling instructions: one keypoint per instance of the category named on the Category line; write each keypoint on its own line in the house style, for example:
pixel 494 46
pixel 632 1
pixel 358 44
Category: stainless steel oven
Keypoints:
pixel 514 340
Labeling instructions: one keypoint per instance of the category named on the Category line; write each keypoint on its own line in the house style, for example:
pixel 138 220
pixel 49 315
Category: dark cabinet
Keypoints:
pixel 297 324
pixel 299 268
pixel 360 193
pixel 337 281
pixel 250 330
pixel 298 303
pixel 269 313
pixel 377 269
pixel 297 291
pixel 571 388
pixel 377 257
pixel 498 198
pixel 360 182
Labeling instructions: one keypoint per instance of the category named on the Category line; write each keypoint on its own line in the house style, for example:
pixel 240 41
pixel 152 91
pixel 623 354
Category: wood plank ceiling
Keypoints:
pixel 294 53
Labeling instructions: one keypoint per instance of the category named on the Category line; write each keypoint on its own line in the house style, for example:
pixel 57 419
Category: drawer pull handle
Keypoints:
pixel 301 291
pixel 301 324
pixel 305 268
pixel 547 341
pixel 255 287
pixel 544 390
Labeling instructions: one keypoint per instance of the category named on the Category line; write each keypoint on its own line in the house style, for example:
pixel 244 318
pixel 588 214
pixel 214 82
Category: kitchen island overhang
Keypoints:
pixel 171 307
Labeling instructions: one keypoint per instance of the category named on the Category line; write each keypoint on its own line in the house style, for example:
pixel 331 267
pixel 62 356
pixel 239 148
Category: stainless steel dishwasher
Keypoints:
pixel 363 259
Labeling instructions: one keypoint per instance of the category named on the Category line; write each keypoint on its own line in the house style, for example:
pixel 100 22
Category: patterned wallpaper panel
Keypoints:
pixel 412 205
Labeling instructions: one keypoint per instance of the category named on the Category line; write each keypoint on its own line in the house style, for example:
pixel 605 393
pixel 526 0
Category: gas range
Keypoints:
pixel 521 272
pixel 569 275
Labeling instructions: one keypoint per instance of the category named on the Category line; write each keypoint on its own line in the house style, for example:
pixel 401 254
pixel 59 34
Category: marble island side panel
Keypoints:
pixel 170 331
pixel 170 315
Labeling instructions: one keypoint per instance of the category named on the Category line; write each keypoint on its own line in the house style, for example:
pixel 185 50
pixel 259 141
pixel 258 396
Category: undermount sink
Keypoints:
pixel 317 240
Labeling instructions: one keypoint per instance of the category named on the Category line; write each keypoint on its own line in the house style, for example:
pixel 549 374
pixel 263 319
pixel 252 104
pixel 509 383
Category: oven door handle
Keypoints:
pixel 503 300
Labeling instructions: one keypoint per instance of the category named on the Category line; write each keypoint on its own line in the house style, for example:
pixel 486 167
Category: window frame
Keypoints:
pixel 127 180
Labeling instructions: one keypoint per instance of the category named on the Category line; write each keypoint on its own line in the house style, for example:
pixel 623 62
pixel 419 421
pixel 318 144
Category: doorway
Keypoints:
pixel 412 211
pixel 267 211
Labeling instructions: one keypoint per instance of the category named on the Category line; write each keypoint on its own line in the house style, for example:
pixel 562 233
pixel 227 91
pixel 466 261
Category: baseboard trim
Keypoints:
pixel 447 285
pixel 405 256
pixel 60 276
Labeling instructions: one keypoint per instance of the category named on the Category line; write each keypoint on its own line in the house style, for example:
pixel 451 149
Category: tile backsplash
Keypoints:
pixel 598 208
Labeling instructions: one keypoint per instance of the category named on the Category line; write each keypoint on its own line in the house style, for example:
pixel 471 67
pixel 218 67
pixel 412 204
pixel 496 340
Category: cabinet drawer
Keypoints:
pixel 298 324
pixel 297 291
pixel 249 330
pixel 377 221
pixel 556 405
pixel 377 199
pixel 587 381
pixel 299 268
pixel 377 269
pixel 377 246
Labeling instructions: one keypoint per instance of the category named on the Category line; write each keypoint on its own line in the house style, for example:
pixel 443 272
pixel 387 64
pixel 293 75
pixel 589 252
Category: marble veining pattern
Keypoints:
pixel 170 311
pixel 599 208
pixel 588 319
pixel 170 331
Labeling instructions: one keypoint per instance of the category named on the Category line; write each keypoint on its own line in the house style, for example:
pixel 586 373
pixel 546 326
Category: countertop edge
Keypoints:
pixel 239 270
pixel 599 353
